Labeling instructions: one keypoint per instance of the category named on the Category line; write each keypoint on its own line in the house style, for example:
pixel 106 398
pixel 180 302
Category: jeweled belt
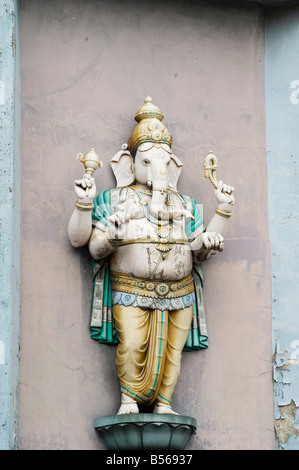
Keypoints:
pixel 148 240
pixel 152 288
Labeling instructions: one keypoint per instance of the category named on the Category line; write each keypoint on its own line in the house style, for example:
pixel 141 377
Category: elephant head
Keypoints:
pixel 154 167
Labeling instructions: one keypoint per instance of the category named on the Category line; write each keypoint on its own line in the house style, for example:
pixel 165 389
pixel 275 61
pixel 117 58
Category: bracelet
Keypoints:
pixel 113 241
pixel 84 206
pixel 223 213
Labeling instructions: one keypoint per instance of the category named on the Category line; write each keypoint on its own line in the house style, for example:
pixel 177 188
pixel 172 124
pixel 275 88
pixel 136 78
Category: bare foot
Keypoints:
pixel 161 408
pixel 128 405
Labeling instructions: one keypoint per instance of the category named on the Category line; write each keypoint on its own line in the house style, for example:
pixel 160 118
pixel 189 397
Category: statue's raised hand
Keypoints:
pixel 85 189
pixel 224 194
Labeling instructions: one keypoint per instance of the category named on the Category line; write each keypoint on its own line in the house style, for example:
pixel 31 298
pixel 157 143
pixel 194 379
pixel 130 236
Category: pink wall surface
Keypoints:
pixel 86 69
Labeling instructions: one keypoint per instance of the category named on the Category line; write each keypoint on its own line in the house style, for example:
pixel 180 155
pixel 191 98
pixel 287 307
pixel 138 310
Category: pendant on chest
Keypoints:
pixel 163 234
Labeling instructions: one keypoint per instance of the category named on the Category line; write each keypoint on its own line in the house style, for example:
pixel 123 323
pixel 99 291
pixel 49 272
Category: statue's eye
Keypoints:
pixel 146 162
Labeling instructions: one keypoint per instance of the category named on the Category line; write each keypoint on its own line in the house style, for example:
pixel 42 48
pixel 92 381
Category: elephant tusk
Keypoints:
pixel 149 183
pixel 171 215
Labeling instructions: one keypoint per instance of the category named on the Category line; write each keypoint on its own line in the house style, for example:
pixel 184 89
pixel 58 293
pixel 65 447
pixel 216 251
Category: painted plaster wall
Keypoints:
pixel 282 99
pixel 9 223
pixel 86 69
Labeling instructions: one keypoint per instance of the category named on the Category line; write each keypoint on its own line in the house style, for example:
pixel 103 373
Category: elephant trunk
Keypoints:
pixel 158 181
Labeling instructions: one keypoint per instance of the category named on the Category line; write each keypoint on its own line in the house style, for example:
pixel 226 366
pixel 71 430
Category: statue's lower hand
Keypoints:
pixel 213 241
pixel 85 189
pixel 117 225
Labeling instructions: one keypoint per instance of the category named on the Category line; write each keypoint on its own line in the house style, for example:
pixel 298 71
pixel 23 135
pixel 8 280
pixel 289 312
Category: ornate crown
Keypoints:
pixel 149 127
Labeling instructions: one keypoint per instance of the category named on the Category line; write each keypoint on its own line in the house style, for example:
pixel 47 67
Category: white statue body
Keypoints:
pixel 145 237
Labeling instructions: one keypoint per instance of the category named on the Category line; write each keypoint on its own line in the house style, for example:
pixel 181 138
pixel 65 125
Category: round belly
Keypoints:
pixel 145 261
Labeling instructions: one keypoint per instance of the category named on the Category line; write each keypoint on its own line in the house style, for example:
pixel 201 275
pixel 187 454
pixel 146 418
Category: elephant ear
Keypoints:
pixel 121 165
pixel 174 170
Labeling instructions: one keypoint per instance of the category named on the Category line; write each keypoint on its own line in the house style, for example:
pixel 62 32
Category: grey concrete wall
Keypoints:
pixel 86 69
pixel 282 98
pixel 10 213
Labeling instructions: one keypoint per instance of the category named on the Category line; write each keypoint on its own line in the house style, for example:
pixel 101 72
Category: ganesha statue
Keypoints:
pixel 147 242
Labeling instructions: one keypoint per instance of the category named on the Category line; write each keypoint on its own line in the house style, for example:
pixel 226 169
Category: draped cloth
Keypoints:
pixel 149 353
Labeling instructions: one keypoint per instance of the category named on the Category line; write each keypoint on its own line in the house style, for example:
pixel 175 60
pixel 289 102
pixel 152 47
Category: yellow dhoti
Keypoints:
pixel 151 340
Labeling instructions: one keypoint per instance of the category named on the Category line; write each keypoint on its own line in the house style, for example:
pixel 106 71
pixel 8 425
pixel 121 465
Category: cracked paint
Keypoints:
pixel 284 427
pixel 285 373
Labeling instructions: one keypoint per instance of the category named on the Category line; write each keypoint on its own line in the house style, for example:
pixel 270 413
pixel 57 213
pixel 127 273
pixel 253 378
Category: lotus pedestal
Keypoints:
pixel 145 431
